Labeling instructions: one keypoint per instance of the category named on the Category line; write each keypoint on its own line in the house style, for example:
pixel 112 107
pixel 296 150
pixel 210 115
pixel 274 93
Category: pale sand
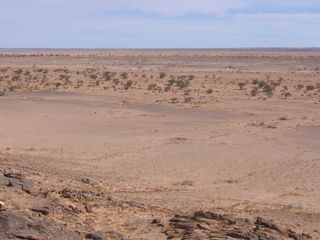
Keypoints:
pixel 226 151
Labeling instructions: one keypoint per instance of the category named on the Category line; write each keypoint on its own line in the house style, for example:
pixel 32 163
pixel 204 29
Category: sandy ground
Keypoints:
pixel 223 151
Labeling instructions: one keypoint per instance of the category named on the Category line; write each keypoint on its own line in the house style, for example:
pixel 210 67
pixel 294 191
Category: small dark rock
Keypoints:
pixel 157 222
pixel 12 174
pixel 67 193
pixel 43 210
pixel 94 236
pixel 19 225
pixel 238 235
pixel 88 181
pixel 89 208
pixel 2 206
pixel 265 223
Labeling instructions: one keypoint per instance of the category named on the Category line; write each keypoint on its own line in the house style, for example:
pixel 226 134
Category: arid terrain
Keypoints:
pixel 160 144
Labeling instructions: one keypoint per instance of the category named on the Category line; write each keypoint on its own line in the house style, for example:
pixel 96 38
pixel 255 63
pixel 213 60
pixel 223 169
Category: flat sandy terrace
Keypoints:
pixel 233 153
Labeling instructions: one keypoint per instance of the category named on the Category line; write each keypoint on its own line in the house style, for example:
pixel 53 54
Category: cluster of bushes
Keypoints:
pixel 182 81
pixel 285 92
pixel 262 86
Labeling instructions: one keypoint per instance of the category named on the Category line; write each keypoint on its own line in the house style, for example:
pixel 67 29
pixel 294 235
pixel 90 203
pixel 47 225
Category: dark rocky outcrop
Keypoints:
pixel 19 225
pixel 209 225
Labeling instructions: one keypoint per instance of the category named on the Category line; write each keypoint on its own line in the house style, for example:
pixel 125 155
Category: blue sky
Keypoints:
pixel 159 24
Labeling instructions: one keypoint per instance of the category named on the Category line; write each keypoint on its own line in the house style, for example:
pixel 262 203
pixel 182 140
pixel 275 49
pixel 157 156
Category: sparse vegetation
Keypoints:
pixel 127 85
pixel 310 87
pixel 18 71
pixel 162 75
pixel 209 91
pixel 241 85
pixel 107 76
pixel 124 75
pixel 254 91
pixel 300 87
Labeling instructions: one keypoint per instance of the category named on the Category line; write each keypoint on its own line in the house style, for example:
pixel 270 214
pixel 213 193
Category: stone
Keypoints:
pixel 19 225
pixel 2 206
pixel 42 210
pixel 94 236
pixel 89 181
pixel 12 174
pixel 89 208
pixel 210 225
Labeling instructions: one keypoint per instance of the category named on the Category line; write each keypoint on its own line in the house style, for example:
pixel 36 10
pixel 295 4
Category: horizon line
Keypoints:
pixel 160 48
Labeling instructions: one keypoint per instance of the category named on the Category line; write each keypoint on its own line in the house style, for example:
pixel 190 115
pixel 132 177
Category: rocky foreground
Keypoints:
pixel 34 207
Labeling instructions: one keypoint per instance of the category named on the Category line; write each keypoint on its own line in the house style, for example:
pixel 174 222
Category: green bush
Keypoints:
pixel 124 75
pixel 162 75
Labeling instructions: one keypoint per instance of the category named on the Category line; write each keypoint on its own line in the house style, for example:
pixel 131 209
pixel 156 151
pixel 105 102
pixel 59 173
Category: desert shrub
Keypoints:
pixel 191 77
pixel 12 88
pixel 255 81
pixel 162 75
pixel 300 86
pixel 18 71
pixel 124 75
pixel 127 85
pixel 287 94
pixel 254 91
pixel 27 73
pixel 262 83
pixel 174 100
pixel 171 81
pixel 108 75
pixel 188 99
pixel 283 118
pixel 209 91
pixel 116 81
pixel 152 86
pixel 241 85
pixel 182 83
pixel 166 88
pixel 64 77
pixel 93 76
pixel 15 78
pixel 268 89
pixel 2 93
pixel 79 83
pixel 310 88
pixel 4 70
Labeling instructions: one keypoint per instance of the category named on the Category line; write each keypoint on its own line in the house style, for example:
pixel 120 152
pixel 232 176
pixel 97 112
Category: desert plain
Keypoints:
pixel 160 144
